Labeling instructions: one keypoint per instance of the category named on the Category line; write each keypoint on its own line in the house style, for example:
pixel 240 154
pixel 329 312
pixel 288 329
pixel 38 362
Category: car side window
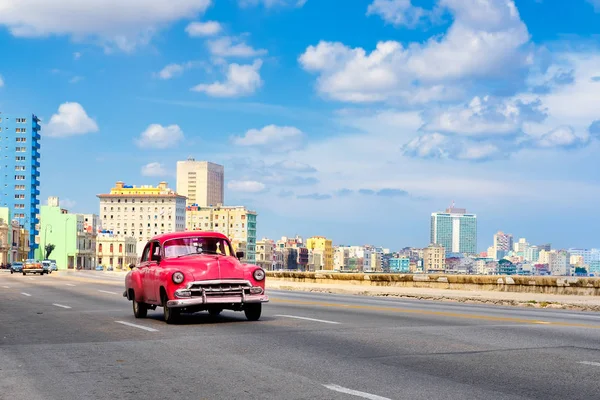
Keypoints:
pixel 155 252
pixel 146 253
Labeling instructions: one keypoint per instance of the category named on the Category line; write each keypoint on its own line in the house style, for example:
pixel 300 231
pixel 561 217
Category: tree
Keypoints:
pixel 49 249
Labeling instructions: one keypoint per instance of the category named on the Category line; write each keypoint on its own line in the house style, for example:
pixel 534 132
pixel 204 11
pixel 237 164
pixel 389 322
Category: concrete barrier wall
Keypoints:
pixel 526 284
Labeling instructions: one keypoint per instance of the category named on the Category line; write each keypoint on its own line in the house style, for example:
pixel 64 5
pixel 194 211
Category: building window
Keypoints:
pixel 120 247
pixel 100 250
pixel 111 248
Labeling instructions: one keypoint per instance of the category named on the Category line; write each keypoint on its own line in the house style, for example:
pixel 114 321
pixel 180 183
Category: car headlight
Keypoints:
pixel 178 277
pixel 259 274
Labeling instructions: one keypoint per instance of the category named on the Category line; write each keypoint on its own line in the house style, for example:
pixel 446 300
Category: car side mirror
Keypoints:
pixel 239 254
pixel 131 266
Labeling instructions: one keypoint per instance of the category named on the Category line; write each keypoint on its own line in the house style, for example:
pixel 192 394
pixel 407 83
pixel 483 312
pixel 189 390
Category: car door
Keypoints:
pixel 143 270
pixel 154 271
pixel 150 274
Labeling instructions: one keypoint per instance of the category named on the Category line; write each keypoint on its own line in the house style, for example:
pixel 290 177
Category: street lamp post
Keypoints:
pixel 46 240
pixel 66 247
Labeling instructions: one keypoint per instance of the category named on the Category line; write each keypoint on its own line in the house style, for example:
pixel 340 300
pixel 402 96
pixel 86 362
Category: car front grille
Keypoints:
pixel 219 289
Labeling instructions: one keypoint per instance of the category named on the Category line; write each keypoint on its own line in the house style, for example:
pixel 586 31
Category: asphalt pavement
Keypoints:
pixel 73 336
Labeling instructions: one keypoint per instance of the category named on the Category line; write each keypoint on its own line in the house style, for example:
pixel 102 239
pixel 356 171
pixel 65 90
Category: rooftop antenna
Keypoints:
pixel 190 158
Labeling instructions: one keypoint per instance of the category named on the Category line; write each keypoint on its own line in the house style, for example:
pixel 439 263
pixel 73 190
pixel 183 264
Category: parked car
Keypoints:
pixel 16 267
pixel 47 266
pixel 33 266
pixel 99 268
pixel 191 272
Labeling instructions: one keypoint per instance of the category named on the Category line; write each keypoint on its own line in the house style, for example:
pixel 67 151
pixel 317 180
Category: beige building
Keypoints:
pixel 202 182
pixel 5 245
pixel 434 259
pixel 341 257
pixel 117 251
pixel 142 212
pixel 265 254
pixel 235 222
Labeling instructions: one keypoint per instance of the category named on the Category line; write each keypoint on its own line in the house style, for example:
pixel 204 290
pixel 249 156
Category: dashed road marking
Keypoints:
pixel 307 319
pixel 146 328
pixel 60 305
pixel 595 364
pixel 69 284
pixel 364 395
pixel 106 291
pixel 25 294
pixel 6 287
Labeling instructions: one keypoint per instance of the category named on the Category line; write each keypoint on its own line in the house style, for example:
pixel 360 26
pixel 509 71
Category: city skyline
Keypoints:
pixel 356 129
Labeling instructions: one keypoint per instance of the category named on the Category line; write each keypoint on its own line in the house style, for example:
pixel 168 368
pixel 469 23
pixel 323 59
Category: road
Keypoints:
pixel 73 336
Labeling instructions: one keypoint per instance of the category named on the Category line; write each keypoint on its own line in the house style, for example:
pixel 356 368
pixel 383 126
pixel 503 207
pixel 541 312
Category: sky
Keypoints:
pixel 354 122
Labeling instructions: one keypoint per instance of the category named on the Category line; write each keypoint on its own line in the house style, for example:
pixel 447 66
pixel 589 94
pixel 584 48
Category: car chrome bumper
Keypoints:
pixel 196 301
pixel 33 270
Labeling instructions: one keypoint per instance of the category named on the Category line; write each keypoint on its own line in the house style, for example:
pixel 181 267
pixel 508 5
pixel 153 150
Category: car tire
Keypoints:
pixel 24 273
pixel 253 311
pixel 11 271
pixel 215 311
pixel 171 315
pixel 140 310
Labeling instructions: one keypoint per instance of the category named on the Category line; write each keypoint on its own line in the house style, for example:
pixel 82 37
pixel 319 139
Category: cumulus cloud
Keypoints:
pixel 294 166
pixel 70 120
pixel 398 12
pixel 228 46
pixel 438 146
pixel 272 3
pixel 200 29
pixel 314 196
pixel 561 137
pixel 246 186
pixel 134 24
pixel 157 136
pixel 173 70
pixel 154 169
pixel 485 41
pixel 241 80
pixel 272 138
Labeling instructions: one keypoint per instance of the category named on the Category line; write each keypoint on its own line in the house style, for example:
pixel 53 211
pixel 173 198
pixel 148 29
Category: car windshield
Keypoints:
pixel 17 264
pixel 196 245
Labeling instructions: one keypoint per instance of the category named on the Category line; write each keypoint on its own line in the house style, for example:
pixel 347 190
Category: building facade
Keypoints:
pixel 434 259
pixel 455 230
pixel 142 212
pixel 19 184
pixel 399 265
pixel 202 182
pixel 503 241
pixel 117 251
pixel 236 222
pixel 324 246
pixel 265 254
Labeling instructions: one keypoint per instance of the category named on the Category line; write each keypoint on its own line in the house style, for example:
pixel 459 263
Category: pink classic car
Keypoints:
pixel 194 271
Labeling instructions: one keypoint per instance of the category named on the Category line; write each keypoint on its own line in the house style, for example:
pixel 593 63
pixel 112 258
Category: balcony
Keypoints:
pixel 35 163
pixel 35 154
pixel 35 201
pixel 36 136
pixel 36 145
pixel 35 192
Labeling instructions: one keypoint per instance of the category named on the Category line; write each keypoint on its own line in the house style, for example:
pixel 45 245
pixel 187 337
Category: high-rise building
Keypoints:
pixel 503 241
pixel 325 246
pixel 202 182
pixel 235 222
pixel 520 246
pixel 142 212
pixel 455 230
pixel 20 163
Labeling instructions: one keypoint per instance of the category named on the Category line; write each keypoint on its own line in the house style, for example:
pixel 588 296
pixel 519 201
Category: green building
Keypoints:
pixel 60 229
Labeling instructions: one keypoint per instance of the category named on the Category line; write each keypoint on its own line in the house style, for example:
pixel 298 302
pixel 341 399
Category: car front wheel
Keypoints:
pixel 140 310
pixel 253 311
pixel 171 315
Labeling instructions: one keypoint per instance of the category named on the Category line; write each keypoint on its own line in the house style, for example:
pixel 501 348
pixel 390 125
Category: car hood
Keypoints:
pixel 209 266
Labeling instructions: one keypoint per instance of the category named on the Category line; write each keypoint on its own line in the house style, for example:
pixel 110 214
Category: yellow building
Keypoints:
pixel 117 251
pixel 236 222
pixel 434 259
pixel 326 246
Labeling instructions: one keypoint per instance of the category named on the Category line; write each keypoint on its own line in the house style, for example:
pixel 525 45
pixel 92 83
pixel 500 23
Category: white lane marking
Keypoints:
pixel 364 395
pixel 595 364
pixel 6 287
pixel 106 291
pixel 137 326
pixel 69 284
pixel 307 319
pixel 60 305
pixel 25 294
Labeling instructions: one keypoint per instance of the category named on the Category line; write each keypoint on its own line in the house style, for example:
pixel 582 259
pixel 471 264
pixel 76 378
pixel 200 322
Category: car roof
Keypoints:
pixel 184 234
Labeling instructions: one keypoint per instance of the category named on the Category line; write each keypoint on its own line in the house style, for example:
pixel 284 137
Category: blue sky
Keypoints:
pixel 353 122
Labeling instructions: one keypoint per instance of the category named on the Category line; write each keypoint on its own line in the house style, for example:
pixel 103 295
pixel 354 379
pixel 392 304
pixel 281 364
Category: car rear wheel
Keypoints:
pixel 140 310
pixel 253 311
pixel 171 315
pixel 215 311
pixel 24 273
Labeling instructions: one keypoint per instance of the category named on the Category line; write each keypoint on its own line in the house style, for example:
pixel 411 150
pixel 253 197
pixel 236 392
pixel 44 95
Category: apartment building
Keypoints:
pixel 236 222
pixel 434 258
pixel 142 212
pixel 202 182
pixel 19 184
pixel 118 251
pixel 455 230
pixel 265 254
pixel 324 248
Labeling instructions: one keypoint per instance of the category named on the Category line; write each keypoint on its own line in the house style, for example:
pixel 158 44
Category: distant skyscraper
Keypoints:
pixel 202 182
pixel 455 230
pixel 19 184
pixel 503 241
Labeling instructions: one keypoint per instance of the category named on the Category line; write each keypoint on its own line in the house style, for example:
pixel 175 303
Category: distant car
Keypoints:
pixel 53 266
pixel 109 268
pixel 99 268
pixel 191 272
pixel 16 267
pixel 33 266
pixel 47 266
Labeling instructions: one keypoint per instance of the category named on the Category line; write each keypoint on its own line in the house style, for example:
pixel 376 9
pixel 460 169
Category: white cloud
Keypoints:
pixel 123 24
pixel 173 70
pixel 1 81
pixel 208 28
pixel 241 80
pixel 246 186
pixel 70 120
pixel 398 12
pixel 76 79
pixel 272 138
pixel 485 41
pixel 561 137
pixel 228 46
pixel 154 169
pixel 157 136
pixel 293 166
pixel 272 3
